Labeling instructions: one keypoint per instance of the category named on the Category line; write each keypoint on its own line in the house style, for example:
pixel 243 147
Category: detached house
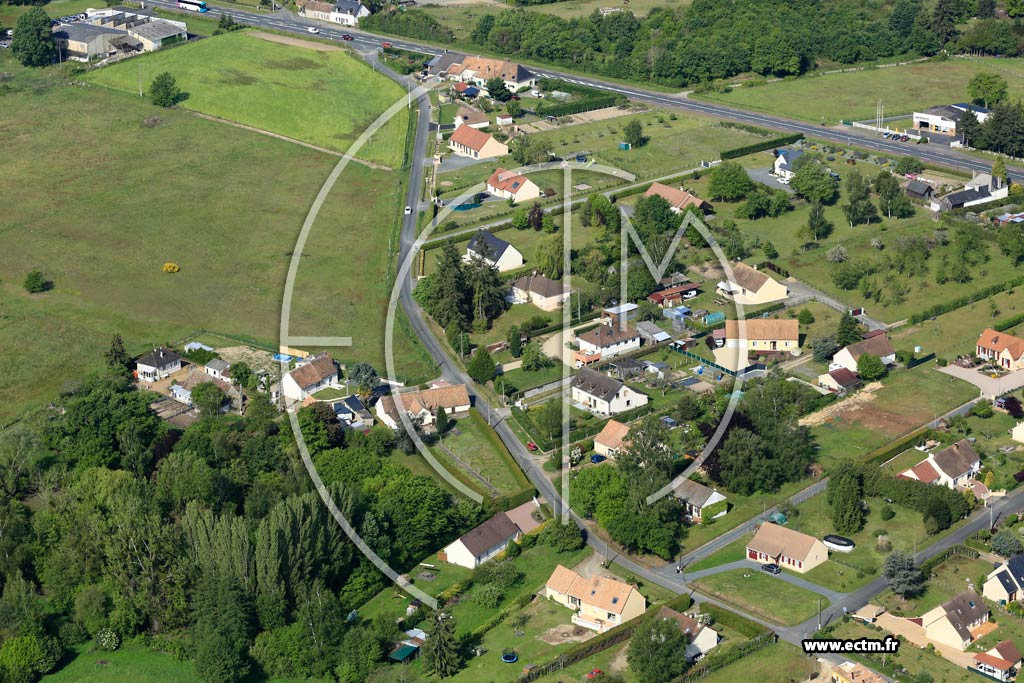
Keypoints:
pixel 763 335
pixel 952 467
pixel 344 12
pixel 482 543
pixel 509 185
pixel 774 544
pixel 311 375
pixel 1001 349
pixel 1005 583
pixel 701 639
pixel 467 141
pixel 604 395
pixel 784 165
pixel 479 70
pixel 611 439
pixel 604 342
pixel 423 404
pixel 678 198
pixel 541 291
pixel 1001 662
pixel 157 365
pixel 954 623
pixel 751 287
pixel 878 345
pixel 494 251
pixel 696 497
pixel 467 117
pixel 601 603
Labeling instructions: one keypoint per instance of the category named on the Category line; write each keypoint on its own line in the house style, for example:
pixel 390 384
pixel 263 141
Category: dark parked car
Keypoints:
pixel 595 458
pixel 771 568
pixel 347 37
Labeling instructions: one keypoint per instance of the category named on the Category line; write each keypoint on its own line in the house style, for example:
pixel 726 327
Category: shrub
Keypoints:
pixel 36 282
pixel 170 267
pixel 108 640
pixel 887 513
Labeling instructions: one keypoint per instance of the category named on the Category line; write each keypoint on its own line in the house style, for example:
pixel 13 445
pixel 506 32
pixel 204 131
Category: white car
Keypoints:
pixel 690 294
pixel 313 29
pixel 408 211
pixel 784 181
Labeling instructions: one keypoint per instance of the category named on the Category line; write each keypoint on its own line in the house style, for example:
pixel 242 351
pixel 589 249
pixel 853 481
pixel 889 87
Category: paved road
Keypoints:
pixel 666 576
pixel 936 154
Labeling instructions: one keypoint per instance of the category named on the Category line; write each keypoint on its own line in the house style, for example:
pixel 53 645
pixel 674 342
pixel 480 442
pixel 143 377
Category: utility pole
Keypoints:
pixel 139 68
pixel 819 614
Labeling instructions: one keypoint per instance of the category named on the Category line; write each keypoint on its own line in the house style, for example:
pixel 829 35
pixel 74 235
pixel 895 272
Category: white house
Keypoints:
pixel 157 365
pixel 482 543
pixel 877 345
pixel 509 185
pixel 945 119
pixel 695 498
pixel 604 395
pixel 1002 662
pixel 600 603
pixel 785 162
pixel 218 367
pixel 344 12
pixel 423 404
pixel 492 537
pixel 494 251
pixel 604 342
pixel 952 467
pixel 310 376
pixel 1017 433
pixel 611 439
pixel 468 141
pixel 701 639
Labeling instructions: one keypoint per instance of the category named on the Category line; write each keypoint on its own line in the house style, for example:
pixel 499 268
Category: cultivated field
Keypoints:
pixel 853 95
pixel 126 198
pixel 325 98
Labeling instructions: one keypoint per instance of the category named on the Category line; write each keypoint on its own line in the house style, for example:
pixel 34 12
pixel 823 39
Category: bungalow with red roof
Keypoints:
pixel 839 380
pixel 467 141
pixel 678 198
pixel 952 467
pixel 474 118
pixel 511 185
pixel 1002 349
pixel 423 404
pixel 601 603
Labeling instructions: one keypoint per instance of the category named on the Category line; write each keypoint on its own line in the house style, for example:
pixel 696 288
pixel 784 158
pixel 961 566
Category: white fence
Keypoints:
pixel 865 126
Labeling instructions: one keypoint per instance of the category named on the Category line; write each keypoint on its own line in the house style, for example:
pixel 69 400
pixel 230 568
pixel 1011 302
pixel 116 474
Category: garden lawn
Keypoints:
pixel 326 98
pixel 908 399
pixel 778 663
pixel 203 199
pixel 476 444
pixel 733 552
pixel 846 572
pixel 915 660
pixel 57 8
pixel 672 144
pixel 853 95
pixel 762 595
pixel 133 662
pixel 956 332
pixel 523 380
pixel 947 580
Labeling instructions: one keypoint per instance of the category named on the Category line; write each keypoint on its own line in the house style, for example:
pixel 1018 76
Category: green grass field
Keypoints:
pixel 762 595
pixel 325 98
pixel 956 332
pixel 908 399
pixel 132 662
pixel 673 145
pixel 474 443
pixel 853 95
pixel 126 198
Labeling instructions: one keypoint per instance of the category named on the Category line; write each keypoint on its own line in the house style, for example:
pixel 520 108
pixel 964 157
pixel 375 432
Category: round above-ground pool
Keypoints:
pixel 840 544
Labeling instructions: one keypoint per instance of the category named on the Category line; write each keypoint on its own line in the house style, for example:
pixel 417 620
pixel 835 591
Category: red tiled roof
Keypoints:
pixel 925 472
pixel 992 661
pixel 676 197
pixel 506 181
pixel 996 342
pixel 470 137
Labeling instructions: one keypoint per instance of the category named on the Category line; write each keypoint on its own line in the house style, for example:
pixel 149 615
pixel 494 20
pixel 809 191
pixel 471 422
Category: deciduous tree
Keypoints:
pixel 654 651
pixel 164 90
pixel 33 43
pixel 987 89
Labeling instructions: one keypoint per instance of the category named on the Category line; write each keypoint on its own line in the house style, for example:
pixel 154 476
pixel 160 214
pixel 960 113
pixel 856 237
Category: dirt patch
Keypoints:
pixel 619 663
pixel 256 359
pixel 844 408
pixel 569 633
pixel 285 40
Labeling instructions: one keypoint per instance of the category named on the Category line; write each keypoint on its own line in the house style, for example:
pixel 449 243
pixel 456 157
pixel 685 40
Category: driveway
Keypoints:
pixel 453 162
pixel 990 387
pixel 915 634
pixel 764 176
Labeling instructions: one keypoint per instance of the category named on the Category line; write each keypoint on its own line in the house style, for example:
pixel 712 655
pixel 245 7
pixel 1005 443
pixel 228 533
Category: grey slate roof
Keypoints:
pixel 693 492
pixel 218 364
pixel 945 111
pixel 919 188
pixel 495 244
pixel 957 199
pixel 159 358
pixel 597 385
pixel 489 534
pixel 81 32
pixel 1007 581
pixel 1016 568
pixel 789 156
pixel 157 30
pixel 348 6
pixel 964 610
pixel 957 459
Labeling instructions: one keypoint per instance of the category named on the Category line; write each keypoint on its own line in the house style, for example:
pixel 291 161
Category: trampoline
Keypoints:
pixel 509 656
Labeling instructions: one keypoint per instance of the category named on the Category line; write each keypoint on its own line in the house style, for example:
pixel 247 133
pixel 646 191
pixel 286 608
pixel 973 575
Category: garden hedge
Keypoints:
pixel 761 146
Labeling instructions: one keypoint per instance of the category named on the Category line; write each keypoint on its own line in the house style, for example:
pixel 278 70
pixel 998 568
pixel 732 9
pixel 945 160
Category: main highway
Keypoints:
pixel 932 153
